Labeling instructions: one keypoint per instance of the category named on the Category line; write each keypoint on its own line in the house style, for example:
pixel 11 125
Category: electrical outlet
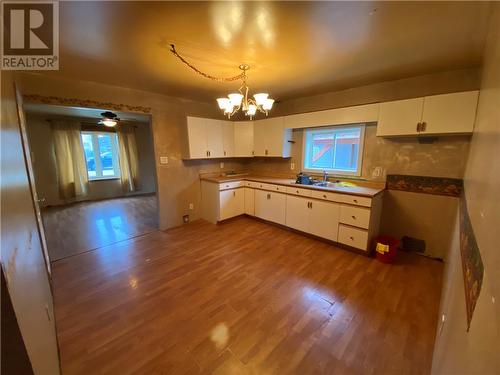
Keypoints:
pixel 292 166
pixel 377 172
pixel 221 165
pixel 191 206
pixel 163 159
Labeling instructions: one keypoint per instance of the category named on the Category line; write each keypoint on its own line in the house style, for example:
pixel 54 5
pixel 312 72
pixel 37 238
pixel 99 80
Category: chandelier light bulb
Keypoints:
pixel 268 104
pixel 235 99
pixel 223 103
pixel 260 98
pixel 252 109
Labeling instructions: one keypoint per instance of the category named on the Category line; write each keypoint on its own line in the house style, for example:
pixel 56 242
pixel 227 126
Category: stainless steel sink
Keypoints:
pixel 326 184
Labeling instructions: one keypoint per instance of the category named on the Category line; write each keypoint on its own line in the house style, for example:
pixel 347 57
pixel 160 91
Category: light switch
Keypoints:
pixel 163 159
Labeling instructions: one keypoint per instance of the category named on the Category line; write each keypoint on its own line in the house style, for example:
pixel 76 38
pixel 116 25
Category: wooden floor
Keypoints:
pixel 85 226
pixel 244 297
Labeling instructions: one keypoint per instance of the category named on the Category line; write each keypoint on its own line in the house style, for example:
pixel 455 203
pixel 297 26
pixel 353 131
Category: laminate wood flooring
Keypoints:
pixel 243 297
pixel 85 226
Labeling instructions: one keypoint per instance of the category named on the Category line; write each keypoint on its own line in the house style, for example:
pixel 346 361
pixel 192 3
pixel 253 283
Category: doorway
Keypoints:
pixel 96 185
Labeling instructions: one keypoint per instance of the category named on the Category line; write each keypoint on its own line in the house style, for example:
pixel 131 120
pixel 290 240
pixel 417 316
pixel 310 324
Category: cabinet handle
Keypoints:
pixel 234 194
pixel 352 238
pixel 418 126
pixel 354 217
pixel 297 192
pixel 266 152
pixel 423 126
pixel 355 200
pixel 324 196
pixel 207 153
pixel 253 152
pixel 311 206
pixel 268 196
pixel 224 153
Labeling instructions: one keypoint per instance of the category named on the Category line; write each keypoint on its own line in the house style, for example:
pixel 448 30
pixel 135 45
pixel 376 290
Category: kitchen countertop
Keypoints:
pixel 355 190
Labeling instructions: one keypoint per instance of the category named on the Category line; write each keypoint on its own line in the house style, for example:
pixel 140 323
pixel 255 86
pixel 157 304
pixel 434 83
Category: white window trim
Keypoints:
pixel 336 172
pixel 97 160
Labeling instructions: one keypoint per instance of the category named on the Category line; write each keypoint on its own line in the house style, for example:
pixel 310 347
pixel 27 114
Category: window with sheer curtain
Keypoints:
pixel 101 155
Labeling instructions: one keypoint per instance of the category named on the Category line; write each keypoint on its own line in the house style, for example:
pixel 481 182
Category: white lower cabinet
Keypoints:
pixel 249 201
pixel 231 203
pixel 324 219
pixel 312 216
pixel 344 218
pixel 297 213
pixel 270 206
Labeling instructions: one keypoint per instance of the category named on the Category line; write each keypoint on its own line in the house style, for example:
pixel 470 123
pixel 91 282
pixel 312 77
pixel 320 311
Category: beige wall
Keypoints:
pixel 42 151
pixel 178 181
pixel 477 351
pixel 22 258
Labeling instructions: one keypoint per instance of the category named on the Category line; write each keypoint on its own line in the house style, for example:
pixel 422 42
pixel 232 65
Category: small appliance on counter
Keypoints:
pixel 304 179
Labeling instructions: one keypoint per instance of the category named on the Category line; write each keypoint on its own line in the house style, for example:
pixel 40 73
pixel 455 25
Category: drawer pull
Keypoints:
pixel 297 192
pixel 354 217
pixel 355 200
pixel 352 238
pixel 324 196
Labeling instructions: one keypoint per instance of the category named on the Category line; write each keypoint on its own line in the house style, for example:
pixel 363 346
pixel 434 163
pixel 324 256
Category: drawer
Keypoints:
pixel 264 186
pixel 355 199
pixel 251 184
pixel 280 188
pixel 230 185
pixel 326 195
pixel 356 216
pixel 298 191
pixel 354 237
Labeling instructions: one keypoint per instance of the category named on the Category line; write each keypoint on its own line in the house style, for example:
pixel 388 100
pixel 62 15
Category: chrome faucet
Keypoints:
pixel 325 176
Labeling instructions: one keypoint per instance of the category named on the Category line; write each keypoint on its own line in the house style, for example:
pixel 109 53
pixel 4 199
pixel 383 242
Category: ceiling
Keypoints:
pixel 293 48
pixel 53 111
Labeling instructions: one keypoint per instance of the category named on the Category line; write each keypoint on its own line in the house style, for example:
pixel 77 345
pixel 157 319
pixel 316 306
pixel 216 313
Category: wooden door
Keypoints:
pixel 297 212
pixel 243 139
pixel 197 138
pixel 214 137
pixel 324 219
pixel 450 113
pixel 400 117
pixel 227 138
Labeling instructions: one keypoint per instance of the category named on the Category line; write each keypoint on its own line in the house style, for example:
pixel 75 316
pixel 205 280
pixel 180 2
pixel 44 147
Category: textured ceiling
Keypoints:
pixel 293 48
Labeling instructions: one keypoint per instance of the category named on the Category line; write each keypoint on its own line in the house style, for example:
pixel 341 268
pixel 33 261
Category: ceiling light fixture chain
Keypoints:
pixel 213 78
pixel 236 100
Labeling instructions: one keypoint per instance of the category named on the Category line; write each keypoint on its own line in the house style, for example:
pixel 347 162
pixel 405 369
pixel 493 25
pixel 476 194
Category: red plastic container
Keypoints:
pixel 389 255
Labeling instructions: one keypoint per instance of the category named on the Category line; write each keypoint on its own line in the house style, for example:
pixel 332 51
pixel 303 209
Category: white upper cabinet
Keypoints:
pixel 214 138
pixel 227 138
pixel 433 115
pixel 271 138
pixel 450 113
pixel 197 138
pixel 243 139
pixel 338 116
pixel 400 117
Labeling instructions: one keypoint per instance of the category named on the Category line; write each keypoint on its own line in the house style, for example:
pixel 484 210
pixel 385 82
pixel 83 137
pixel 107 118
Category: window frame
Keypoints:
pixel 337 172
pixel 97 160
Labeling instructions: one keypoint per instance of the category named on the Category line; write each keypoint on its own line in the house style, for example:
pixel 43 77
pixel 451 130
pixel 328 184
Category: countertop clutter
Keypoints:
pixel 371 191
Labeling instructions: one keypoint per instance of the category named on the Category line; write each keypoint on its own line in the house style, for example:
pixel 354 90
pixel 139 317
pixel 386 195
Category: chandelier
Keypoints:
pixel 240 100
pixel 237 100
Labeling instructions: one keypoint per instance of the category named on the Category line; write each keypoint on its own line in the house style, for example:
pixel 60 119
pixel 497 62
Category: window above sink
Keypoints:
pixel 337 150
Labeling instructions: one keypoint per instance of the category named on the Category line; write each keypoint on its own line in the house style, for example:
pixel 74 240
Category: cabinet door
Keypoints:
pixel 243 138
pixel 400 117
pixel 226 204
pixel 277 208
pixel 297 213
pixel 197 137
pixel 324 220
pixel 450 113
pixel 261 206
pixel 238 202
pixel 249 201
pixel 260 134
pixel 227 138
pixel 275 136
pixel 214 138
